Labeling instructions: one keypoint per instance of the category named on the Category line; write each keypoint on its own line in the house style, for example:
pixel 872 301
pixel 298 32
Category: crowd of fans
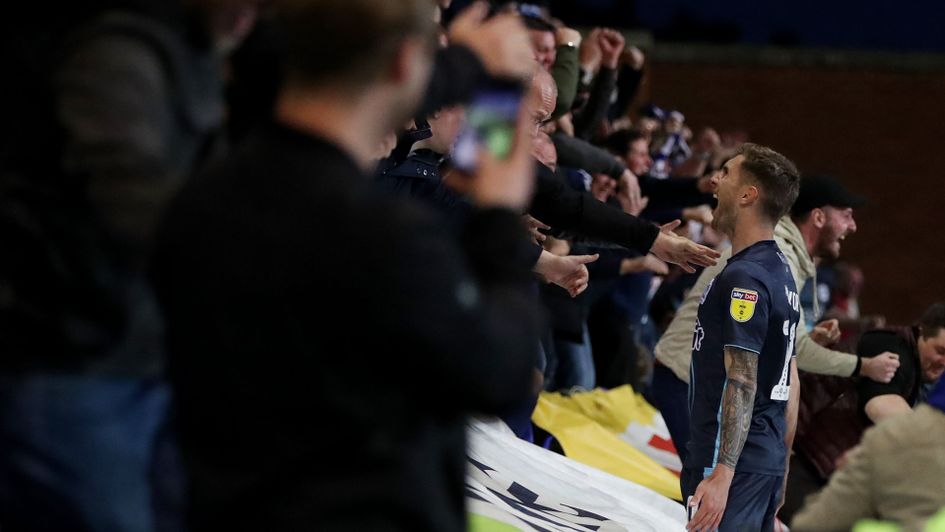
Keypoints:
pixel 250 283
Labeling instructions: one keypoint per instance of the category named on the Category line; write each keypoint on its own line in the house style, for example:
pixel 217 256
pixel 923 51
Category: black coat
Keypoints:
pixel 126 111
pixel 326 342
pixel 566 209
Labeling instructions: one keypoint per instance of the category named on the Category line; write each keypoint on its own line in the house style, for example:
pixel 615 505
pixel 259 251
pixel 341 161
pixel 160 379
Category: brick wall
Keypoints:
pixel 879 129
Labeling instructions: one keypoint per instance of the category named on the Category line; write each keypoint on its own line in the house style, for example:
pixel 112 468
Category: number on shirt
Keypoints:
pixel 782 392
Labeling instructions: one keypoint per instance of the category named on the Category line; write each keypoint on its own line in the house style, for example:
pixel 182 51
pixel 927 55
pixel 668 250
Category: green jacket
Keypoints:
pixel 566 72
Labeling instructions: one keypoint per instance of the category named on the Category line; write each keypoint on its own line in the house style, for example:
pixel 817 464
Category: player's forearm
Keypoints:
pixel 741 368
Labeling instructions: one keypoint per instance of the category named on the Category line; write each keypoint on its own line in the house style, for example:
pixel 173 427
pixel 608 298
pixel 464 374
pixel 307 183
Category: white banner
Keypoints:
pixel 512 484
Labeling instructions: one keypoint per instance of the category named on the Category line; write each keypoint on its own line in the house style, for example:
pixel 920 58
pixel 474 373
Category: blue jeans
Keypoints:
pixel 87 453
pixel 519 418
pixel 575 364
pixel 671 397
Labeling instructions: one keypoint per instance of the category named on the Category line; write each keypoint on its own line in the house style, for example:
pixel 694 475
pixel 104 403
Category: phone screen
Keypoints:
pixel 490 123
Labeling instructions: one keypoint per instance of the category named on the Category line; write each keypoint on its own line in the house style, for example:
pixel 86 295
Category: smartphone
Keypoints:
pixel 491 118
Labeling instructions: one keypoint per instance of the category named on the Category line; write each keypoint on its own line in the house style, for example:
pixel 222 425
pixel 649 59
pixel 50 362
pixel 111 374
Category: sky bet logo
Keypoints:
pixel 743 304
pixel 745 295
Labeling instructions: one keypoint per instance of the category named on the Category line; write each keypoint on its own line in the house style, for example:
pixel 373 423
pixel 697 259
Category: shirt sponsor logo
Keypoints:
pixel 743 304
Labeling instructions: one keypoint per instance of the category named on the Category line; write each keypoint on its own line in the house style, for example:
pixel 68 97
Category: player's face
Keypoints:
pixel 932 356
pixel 839 225
pixel 728 185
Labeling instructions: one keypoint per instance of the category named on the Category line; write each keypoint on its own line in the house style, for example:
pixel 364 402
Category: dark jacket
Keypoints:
pixel 664 194
pixel 628 85
pixel 907 382
pixel 574 152
pixel 554 202
pixel 418 176
pixel 136 101
pixel 831 418
pixel 588 119
pixel 565 209
pixel 326 342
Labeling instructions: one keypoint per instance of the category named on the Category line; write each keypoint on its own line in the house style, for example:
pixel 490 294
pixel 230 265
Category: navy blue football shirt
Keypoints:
pixel 752 305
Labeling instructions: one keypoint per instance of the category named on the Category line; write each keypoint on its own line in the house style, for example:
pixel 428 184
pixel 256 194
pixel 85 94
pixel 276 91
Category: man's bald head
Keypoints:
pixel 542 96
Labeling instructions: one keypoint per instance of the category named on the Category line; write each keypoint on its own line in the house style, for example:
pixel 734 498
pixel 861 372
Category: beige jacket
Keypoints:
pixel 674 349
pixel 896 474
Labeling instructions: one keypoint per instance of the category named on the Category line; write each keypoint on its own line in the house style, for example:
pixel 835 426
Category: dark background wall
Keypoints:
pixel 878 128
pixel 913 25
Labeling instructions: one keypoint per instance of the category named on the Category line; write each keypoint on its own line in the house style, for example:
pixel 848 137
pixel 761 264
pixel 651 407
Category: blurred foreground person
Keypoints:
pixel 327 340
pixel 113 110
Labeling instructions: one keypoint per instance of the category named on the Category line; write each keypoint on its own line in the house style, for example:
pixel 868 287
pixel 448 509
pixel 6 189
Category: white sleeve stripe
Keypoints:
pixel 742 348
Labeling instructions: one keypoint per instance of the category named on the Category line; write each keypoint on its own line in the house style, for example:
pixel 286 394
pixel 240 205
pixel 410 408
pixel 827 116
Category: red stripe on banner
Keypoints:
pixel 662 444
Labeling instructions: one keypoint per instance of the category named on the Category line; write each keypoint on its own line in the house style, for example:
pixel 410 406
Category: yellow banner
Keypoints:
pixel 593 427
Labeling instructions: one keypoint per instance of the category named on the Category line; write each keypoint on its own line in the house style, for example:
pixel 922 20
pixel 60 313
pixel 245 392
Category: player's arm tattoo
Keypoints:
pixel 741 368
